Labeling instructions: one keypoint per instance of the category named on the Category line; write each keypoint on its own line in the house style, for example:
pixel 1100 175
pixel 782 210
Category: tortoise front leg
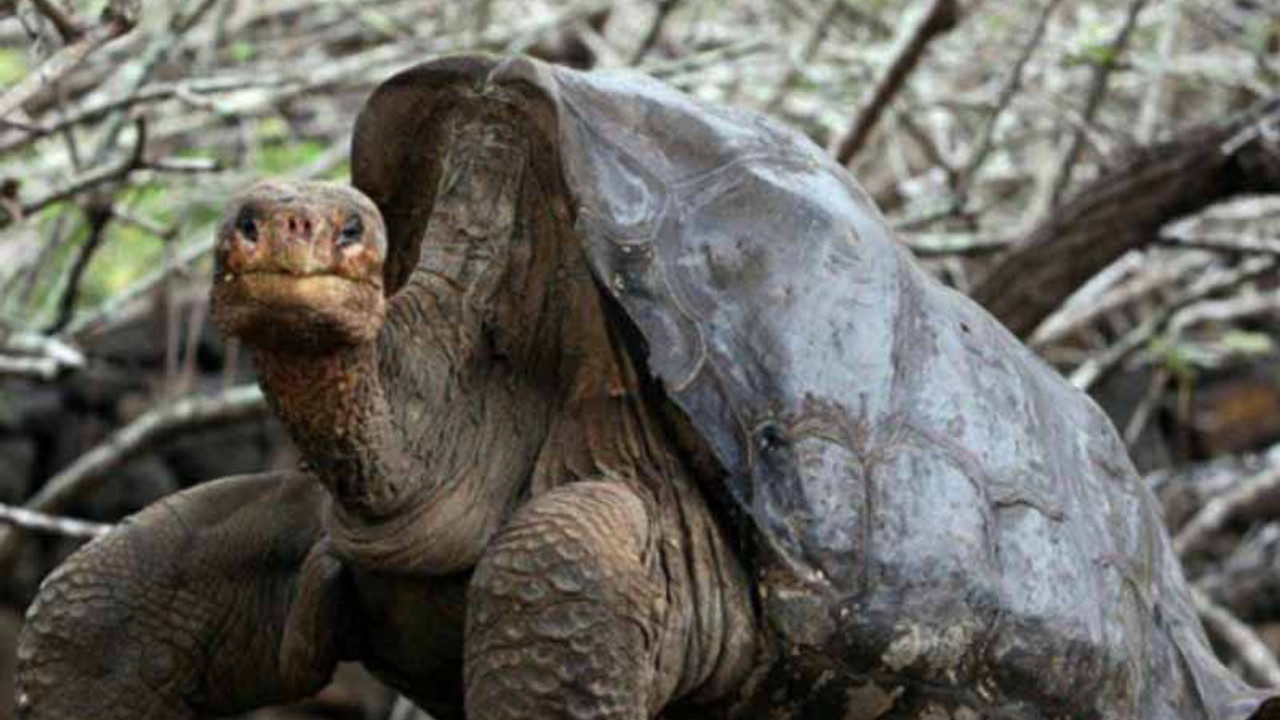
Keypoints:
pixel 563 618
pixel 212 601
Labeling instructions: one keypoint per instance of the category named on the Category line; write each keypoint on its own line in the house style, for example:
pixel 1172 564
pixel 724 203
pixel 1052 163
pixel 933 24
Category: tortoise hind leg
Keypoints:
pixel 564 612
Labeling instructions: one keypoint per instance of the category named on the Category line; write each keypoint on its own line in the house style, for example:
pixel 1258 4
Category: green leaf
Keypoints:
pixel 242 51
pixel 1244 342
pixel 13 66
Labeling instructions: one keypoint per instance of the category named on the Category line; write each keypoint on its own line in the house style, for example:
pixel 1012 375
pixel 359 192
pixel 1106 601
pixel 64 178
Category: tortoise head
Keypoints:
pixel 298 265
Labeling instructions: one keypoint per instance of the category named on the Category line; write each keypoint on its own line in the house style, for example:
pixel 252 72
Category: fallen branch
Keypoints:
pixel 941 17
pixel 1125 209
pixel 93 468
pixel 24 519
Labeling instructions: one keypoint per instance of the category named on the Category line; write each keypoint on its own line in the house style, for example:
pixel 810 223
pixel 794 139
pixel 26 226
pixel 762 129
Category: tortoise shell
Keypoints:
pixel 935 516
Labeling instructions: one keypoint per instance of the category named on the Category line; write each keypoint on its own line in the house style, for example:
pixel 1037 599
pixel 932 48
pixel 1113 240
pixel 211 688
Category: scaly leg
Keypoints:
pixel 212 601
pixel 564 609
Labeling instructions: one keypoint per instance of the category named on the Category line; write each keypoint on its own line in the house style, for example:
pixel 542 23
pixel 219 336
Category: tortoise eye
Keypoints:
pixel 246 225
pixel 352 231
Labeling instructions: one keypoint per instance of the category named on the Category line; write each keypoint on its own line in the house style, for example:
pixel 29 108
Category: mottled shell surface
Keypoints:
pixel 935 510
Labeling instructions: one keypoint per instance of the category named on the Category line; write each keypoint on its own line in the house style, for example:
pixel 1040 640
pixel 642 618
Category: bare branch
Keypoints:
pixel 1266 304
pixel 1097 91
pixel 68 27
pixel 157 92
pixel 1092 371
pixel 1220 509
pixel 982 146
pixel 953 245
pixel 94 320
pixel 1153 100
pixel 941 17
pixel 821 26
pixel 120 17
pixel 110 173
pixel 1224 244
pixel 1244 642
pixel 37 356
pixel 1111 295
pixel 34 368
pixel 655 29
pixel 98 217
pixel 92 469
pixel 1125 208
pixel 56 525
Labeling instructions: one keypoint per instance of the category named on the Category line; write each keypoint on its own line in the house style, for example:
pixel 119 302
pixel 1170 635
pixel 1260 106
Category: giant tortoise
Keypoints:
pixel 617 404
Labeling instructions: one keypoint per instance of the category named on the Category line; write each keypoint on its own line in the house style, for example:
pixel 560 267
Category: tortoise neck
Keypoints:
pixel 334 407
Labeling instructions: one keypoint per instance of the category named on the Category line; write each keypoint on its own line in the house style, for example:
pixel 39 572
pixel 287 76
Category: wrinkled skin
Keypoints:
pixel 618 405
pixel 490 516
